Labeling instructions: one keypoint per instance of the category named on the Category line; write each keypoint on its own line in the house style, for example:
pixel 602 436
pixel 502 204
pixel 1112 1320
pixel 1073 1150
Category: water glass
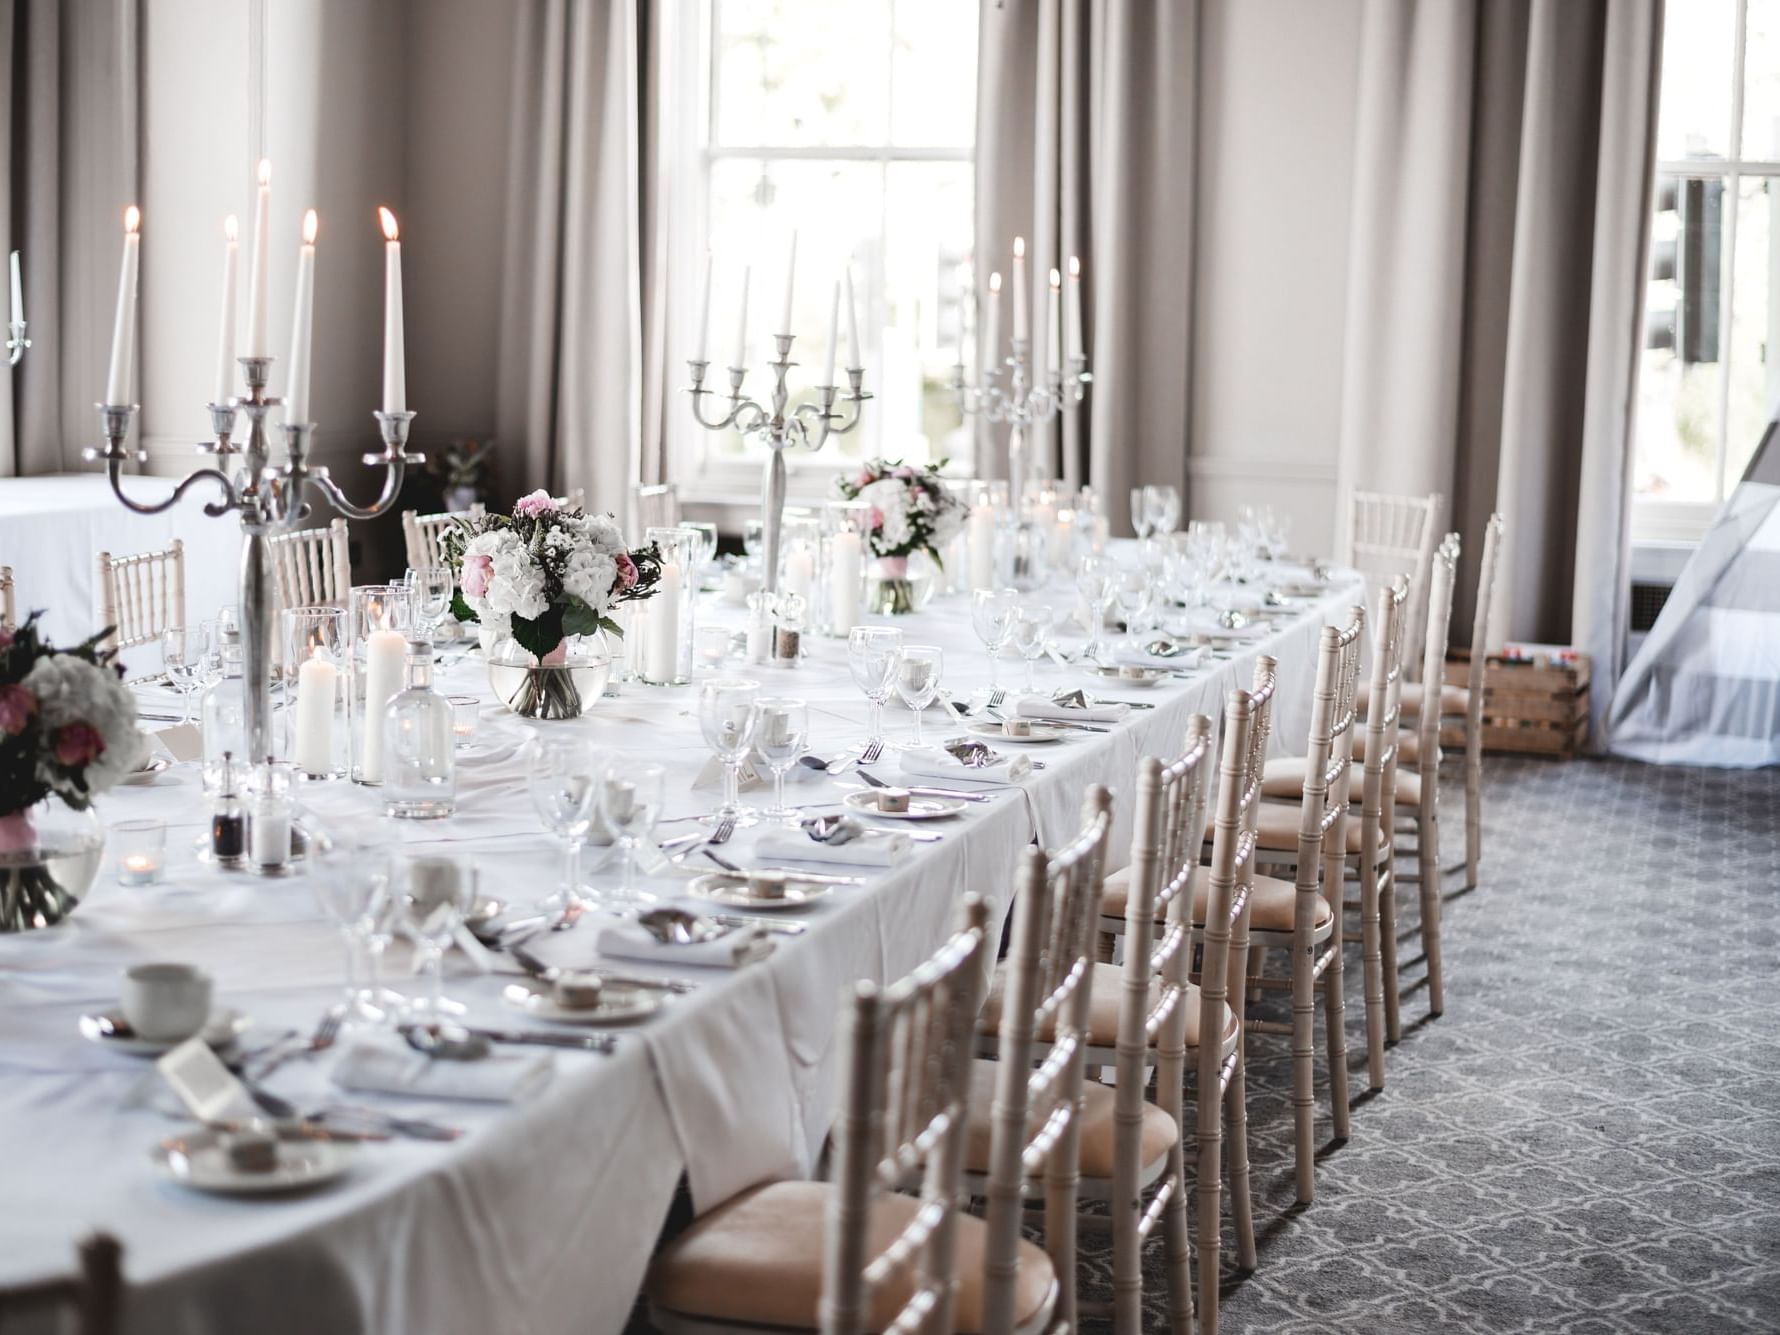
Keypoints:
pixel 917 683
pixel 780 737
pixel 182 658
pixel 630 798
pixel 350 880
pixel 563 774
pixel 429 590
pixel 1095 579
pixel 1162 507
pixel 435 891
pixel 1132 593
pixel 1031 638
pixel 728 714
pixel 992 617
pixel 1140 512
pixel 872 653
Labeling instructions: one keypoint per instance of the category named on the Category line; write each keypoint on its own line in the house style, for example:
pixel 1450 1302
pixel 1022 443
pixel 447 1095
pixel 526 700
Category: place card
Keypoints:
pixel 711 775
pixel 203 1084
pixel 183 741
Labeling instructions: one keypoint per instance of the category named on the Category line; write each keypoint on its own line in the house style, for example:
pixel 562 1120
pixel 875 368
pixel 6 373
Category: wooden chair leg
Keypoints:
pixel 1208 1187
pixel 1473 815
pixel 1335 1040
pixel 1371 959
pixel 1179 1246
pixel 1242 1212
pixel 1387 922
pixel 1430 900
pixel 1304 1070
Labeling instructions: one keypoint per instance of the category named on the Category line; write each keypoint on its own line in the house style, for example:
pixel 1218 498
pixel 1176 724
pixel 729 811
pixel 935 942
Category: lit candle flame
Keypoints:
pixel 132 218
pixel 231 227
pixel 1019 247
pixel 310 224
pixel 265 171
pixel 1075 266
pixel 1056 279
pixel 995 282
pixel 388 220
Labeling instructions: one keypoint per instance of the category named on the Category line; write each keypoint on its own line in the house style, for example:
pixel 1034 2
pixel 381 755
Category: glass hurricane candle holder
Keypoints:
pixel 141 849
pixel 318 702
pixel 846 547
pixel 379 656
pixel 665 620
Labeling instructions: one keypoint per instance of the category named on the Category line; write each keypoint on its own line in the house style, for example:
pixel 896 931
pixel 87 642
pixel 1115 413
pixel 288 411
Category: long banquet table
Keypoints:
pixel 542 1217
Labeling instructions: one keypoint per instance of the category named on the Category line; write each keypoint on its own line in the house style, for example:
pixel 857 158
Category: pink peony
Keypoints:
pixel 478 574
pixel 78 744
pixel 877 517
pixel 540 502
pixel 627 572
pixel 17 704
pixel 906 473
pixel 865 478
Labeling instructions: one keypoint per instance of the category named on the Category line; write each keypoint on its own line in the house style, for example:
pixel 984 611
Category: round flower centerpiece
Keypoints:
pixel 541 583
pixel 913 516
pixel 67 733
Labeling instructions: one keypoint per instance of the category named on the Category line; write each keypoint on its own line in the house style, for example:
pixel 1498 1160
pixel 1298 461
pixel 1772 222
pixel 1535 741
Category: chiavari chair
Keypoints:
pixel 658 506
pixel 141 595
pixel 856 1255
pixel 93 1297
pixel 9 615
pixel 1391 535
pixel 422 534
pixel 313 566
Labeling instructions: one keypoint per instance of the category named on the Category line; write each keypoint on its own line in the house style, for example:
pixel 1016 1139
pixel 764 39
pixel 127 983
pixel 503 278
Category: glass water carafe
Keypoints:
pixel 223 710
pixel 419 774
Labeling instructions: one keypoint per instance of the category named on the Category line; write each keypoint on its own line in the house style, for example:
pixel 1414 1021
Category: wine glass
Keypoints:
pixel 706 550
pixel 1140 512
pixel 630 798
pixel 1094 581
pixel 1162 505
pixel 1030 637
pixel 1131 591
pixel 182 658
pixel 429 597
pixel 917 683
pixel 435 891
pixel 351 884
pixel 753 540
pixel 728 715
pixel 872 652
pixel 562 774
pixel 992 617
pixel 780 736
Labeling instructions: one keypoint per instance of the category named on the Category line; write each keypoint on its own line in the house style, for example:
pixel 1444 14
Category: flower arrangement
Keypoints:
pixel 911 509
pixel 546 572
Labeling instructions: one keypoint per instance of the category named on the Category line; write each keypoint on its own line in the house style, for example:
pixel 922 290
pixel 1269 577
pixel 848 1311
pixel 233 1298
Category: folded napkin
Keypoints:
pixel 1173 663
pixel 385 1067
pixel 1038 707
pixel 876 850
pixel 627 941
pixel 946 769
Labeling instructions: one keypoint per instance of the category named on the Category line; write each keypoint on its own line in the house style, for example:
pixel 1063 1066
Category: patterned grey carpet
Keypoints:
pixel 1588 1141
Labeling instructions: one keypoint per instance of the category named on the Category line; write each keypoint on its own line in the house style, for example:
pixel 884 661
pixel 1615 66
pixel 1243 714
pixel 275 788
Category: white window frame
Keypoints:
pixel 706 475
pixel 1687 521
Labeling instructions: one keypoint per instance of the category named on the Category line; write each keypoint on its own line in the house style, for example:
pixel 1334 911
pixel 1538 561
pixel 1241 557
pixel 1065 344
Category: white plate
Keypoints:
pixel 619 1003
pixel 865 802
pixel 732 892
pixel 225 1026
pixel 1148 676
pixel 1041 733
pixel 199 1161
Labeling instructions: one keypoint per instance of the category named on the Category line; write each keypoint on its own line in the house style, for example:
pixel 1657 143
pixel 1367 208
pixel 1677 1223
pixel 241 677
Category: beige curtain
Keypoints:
pixel 1086 117
pixel 1500 221
pixel 583 295
pixel 69 165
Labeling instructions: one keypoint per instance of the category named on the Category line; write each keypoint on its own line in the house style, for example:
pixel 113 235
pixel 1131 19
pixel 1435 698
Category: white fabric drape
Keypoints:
pixel 1500 221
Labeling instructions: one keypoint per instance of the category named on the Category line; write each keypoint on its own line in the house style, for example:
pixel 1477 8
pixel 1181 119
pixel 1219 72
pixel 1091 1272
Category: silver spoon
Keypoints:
pixel 446 1042
pixel 676 927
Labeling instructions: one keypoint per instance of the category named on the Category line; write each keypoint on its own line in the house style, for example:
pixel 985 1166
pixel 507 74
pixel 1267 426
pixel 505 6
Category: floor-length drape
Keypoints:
pixel 1086 117
pixel 70 119
pixel 1500 220
pixel 581 315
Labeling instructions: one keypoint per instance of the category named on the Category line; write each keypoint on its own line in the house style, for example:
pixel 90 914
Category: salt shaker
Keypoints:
pixel 268 830
pixel 760 627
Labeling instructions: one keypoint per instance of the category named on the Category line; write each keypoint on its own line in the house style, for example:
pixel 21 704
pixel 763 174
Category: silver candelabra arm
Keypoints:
pixel 16 342
pixel 394 460
pixel 115 421
pixel 817 421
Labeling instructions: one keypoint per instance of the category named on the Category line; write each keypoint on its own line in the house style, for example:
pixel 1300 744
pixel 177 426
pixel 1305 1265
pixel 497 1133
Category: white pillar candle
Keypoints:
pixel 123 329
pixel 846 566
pixel 385 653
pixel 1062 533
pixel 225 343
pixel 992 344
pixel 1075 307
pixel 981 532
pixel 395 351
pixel 259 264
pixel 800 572
pixel 662 626
pixel 704 314
pixel 854 350
pixel 313 744
pixel 834 316
pixel 18 291
pixel 302 323
pixel 1054 338
pixel 1019 287
pixel 741 322
pixel 790 283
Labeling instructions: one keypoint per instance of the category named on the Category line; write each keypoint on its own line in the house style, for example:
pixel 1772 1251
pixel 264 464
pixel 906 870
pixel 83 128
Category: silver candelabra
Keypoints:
pixel 1006 393
pixel 807 426
pixel 16 342
pixel 270 498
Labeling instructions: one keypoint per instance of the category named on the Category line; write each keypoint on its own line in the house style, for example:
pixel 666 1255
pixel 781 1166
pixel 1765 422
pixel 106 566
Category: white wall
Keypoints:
pixel 1278 85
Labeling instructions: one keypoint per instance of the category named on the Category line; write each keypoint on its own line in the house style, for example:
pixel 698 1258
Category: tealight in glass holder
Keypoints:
pixel 141 847
pixel 665 619
pixel 318 704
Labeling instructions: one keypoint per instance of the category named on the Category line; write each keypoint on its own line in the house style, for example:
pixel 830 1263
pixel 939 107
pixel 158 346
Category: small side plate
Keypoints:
pixel 199 1160
pixel 732 892
pixel 865 802
pixel 1041 734
pixel 619 1003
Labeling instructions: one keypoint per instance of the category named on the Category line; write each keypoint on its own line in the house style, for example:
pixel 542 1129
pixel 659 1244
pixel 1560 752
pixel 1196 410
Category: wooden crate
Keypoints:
pixel 1536 708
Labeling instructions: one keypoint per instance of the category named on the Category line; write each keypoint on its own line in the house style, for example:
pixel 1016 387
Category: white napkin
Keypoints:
pixel 1173 663
pixel 941 766
pixel 872 850
pixel 395 1068
pixel 1037 706
pixel 627 941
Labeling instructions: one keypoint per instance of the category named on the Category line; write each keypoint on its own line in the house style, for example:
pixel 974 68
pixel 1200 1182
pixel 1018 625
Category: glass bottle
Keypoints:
pixel 419 744
pixel 223 709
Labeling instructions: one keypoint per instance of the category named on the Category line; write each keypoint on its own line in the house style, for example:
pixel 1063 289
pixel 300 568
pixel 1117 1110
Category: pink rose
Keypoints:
pixel 906 473
pixel 877 517
pixel 478 575
pixel 865 478
pixel 16 707
pixel 78 744
pixel 627 572
pixel 540 502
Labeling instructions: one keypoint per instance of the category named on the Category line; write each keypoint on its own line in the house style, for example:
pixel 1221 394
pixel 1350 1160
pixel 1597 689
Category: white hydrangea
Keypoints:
pixel 890 497
pixel 71 690
pixel 517 585
pixel 589 576
pixel 603 532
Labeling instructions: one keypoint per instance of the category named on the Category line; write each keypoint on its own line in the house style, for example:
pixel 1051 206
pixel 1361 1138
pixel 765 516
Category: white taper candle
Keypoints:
pixel 259 264
pixel 302 323
pixel 225 342
pixel 395 347
pixel 123 329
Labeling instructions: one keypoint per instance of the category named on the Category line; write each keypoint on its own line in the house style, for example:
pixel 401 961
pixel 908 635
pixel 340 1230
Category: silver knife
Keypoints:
pixel 796 877
pixel 549 973
pixel 781 928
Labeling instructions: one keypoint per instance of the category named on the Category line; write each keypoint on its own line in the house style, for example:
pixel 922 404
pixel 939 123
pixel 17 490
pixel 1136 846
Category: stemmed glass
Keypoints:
pixel 992 617
pixel 780 736
pixel 917 684
pixel 563 774
pixel 728 715
pixel 1132 593
pixel 429 597
pixel 753 540
pixel 1162 507
pixel 630 798
pixel 1030 627
pixel 182 658
pixel 351 883
pixel 1140 512
pixel 435 892
pixel 872 653
pixel 1094 580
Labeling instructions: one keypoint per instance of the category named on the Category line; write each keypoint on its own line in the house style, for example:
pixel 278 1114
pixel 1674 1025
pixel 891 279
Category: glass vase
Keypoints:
pixel 565 684
pixel 899 585
pixel 49 858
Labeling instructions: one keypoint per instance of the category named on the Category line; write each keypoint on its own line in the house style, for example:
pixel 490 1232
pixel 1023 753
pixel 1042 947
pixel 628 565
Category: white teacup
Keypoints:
pixel 166 1003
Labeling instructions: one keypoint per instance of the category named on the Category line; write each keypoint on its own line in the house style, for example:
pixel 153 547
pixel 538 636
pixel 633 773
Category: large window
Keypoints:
pixel 1711 371
pixel 853 124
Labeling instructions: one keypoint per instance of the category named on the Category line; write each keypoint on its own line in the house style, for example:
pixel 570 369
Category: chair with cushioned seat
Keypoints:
pixel 855 1255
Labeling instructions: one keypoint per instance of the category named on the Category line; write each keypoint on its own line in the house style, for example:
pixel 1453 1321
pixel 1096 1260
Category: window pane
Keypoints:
pixel 1755 325
pixel 928 223
pixel 1694 118
pixel 801 72
pixel 933 75
pixel 1761 82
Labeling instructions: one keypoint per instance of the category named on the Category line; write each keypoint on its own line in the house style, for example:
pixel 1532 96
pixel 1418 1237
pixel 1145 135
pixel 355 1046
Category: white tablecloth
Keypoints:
pixel 51 527
pixel 543 1217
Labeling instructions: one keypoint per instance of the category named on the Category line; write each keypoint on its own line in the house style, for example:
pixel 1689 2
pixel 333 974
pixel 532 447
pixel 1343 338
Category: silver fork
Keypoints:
pixel 321 1040
pixel 873 750
pixel 725 828
pixel 996 696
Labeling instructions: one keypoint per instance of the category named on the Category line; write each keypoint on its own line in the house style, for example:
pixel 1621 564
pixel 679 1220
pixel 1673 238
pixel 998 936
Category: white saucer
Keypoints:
pixel 198 1160
pixel 732 891
pixel 619 1003
pixel 1041 733
pixel 865 802
pixel 224 1027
